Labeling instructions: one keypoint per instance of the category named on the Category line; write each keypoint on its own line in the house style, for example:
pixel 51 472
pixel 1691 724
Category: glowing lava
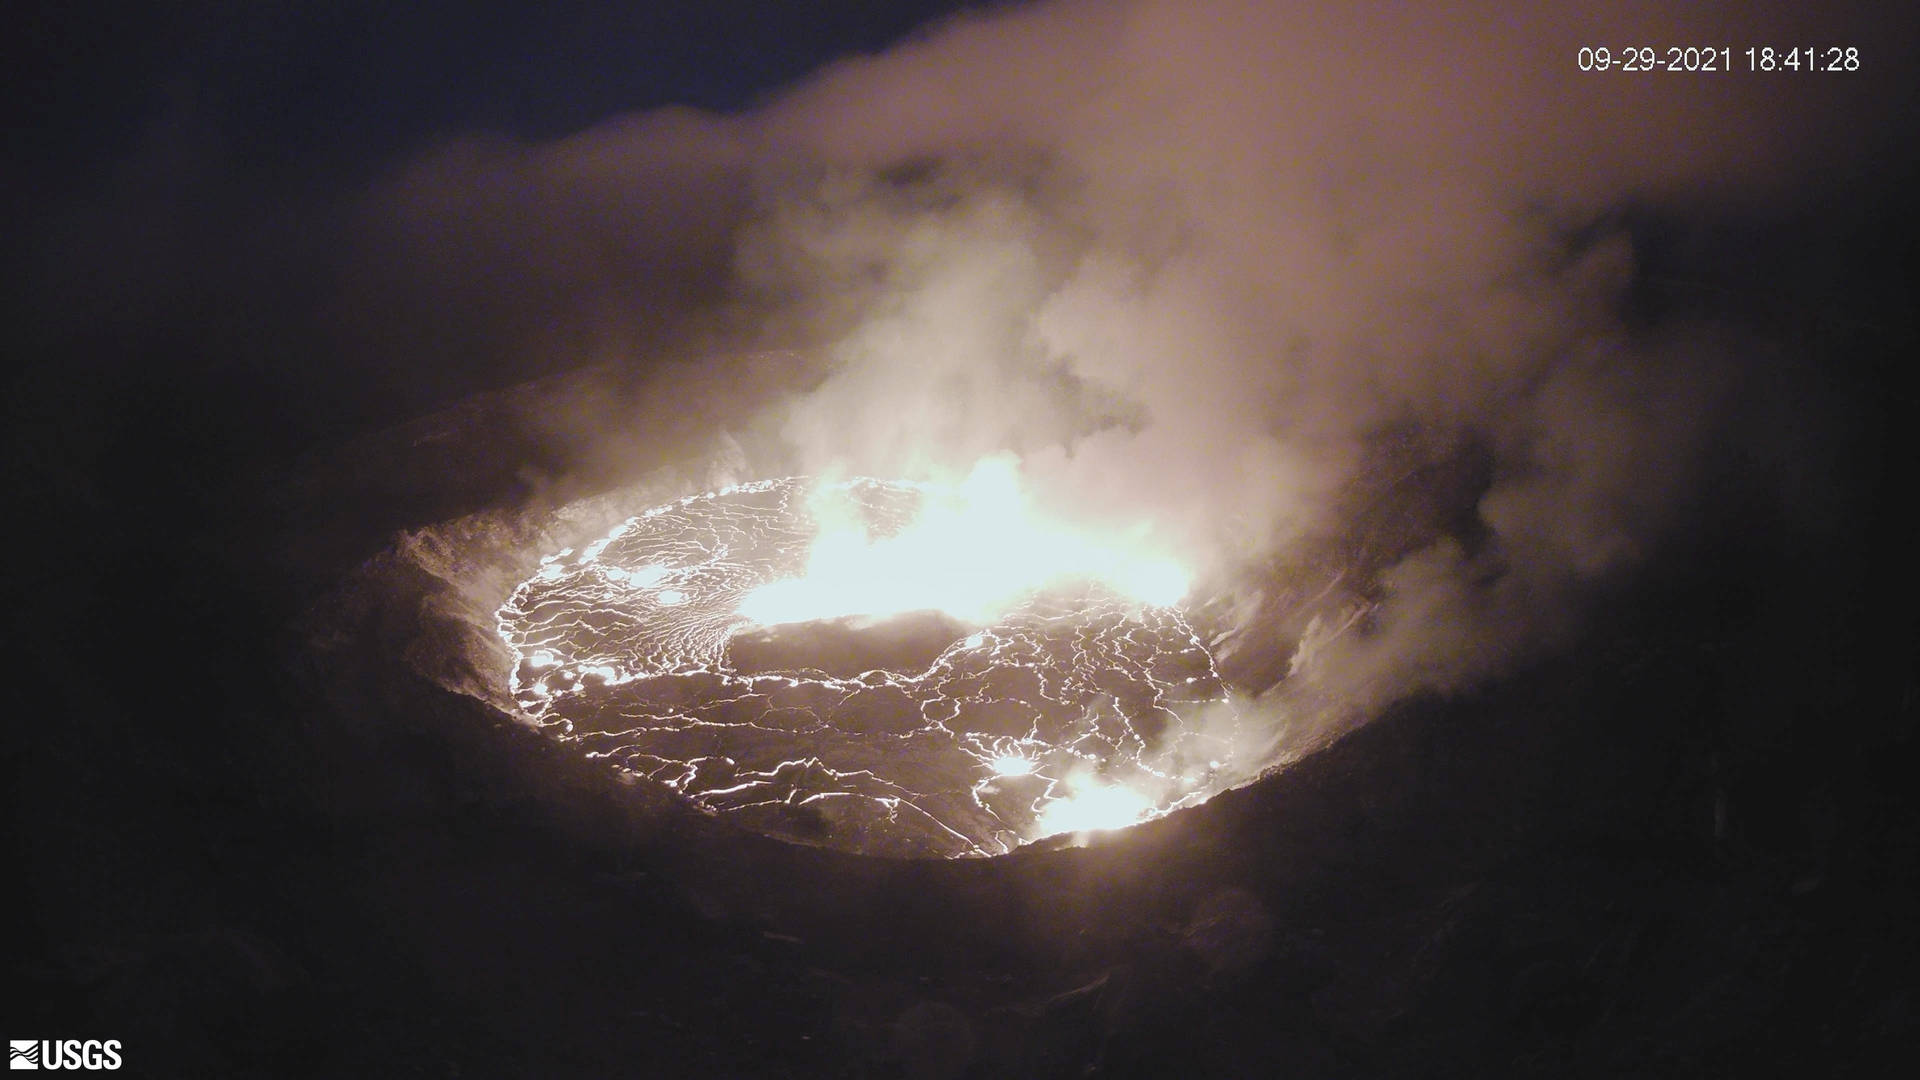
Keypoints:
pixel 1065 692
pixel 1089 805
pixel 972 552
pixel 1011 765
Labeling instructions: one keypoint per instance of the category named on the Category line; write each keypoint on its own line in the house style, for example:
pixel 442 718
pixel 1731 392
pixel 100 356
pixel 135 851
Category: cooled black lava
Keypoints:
pixel 917 733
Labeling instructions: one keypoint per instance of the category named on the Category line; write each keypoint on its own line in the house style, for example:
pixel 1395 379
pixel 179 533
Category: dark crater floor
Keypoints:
pixel 1684 846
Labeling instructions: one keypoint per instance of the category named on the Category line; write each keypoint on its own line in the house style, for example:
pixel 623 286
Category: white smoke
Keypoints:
pixel 1195 261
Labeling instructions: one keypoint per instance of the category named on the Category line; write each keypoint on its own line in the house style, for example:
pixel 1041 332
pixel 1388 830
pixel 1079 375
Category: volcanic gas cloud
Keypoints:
pixel 1201 270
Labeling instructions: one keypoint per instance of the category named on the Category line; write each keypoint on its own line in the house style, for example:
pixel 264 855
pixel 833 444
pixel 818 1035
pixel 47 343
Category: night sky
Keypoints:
pixel 1623 367
pixel 302 87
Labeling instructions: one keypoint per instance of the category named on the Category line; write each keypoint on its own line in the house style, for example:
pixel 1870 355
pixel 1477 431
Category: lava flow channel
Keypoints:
pixel 707 644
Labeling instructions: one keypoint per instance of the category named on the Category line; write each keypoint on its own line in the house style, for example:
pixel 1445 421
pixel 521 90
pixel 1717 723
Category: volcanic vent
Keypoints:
pixel 864 664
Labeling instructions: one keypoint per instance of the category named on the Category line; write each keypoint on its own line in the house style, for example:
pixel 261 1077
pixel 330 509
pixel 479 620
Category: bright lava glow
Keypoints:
pixel 1073 695
pixel 1091 806
pixel 972 552
pixel 1011 765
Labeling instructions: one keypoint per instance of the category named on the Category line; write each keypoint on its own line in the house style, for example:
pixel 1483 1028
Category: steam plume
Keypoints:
pixel 1197 263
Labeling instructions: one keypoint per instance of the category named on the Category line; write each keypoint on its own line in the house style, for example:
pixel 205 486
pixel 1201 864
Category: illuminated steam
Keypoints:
pixel 972 551
pixel 1200 265
pixel 1008 703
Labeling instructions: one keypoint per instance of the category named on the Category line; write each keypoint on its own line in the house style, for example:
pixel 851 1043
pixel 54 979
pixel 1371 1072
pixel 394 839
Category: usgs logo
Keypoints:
pixel 63 1054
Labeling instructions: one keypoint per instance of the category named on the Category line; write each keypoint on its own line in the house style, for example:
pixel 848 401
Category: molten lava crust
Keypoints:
pixel 914 733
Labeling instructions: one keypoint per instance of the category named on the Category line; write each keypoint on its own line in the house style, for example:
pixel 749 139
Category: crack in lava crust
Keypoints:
pixel 1077 708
